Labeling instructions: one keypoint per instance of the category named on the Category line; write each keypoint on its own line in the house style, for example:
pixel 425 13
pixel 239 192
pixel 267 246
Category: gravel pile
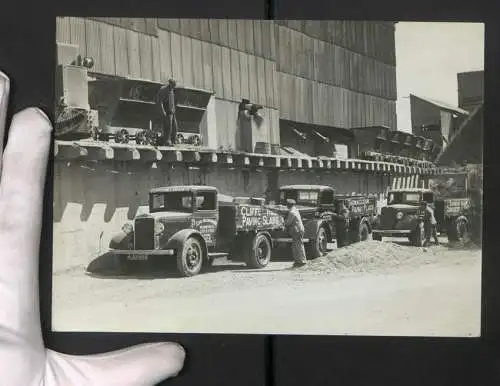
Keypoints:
pixel 372 256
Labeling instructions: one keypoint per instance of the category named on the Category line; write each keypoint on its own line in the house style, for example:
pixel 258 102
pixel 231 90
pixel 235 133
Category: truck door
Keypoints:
pixel 206 216
pixel 327 207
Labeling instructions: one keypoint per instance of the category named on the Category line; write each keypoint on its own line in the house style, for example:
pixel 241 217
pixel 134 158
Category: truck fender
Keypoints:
pixel 311 229
pixel 178 239
pixel 267 234
pixel 121 240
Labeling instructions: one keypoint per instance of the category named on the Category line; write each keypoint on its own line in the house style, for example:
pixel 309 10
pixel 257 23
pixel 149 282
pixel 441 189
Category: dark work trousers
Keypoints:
pixel 298 250
pixel 169 129
pixel 342 228
pixel 430 231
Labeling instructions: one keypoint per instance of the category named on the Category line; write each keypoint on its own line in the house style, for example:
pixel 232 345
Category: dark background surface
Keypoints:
pixel 27 50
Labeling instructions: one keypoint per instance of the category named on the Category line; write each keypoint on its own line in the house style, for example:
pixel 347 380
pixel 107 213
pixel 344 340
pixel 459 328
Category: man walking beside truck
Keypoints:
pixel 430 224
pixel 295 228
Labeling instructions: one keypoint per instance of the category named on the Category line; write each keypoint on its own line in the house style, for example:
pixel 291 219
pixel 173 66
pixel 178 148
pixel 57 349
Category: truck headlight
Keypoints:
pixel 127 228
pixel 159 228
pixel 399 215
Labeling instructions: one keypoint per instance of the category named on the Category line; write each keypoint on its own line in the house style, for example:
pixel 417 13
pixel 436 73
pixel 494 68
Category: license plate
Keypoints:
pixel 138 257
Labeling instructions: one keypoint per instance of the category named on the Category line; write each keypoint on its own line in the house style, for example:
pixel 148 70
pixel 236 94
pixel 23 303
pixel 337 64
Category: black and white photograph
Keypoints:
pixel 297 177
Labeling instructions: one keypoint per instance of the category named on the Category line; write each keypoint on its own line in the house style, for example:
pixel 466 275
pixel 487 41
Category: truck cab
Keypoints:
pixel 315 204
pixel 400 218
pixel 175 214
pixel 321 211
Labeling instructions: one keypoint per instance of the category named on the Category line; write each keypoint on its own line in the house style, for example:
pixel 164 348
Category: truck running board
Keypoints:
pixel 217 254
pixel 288 240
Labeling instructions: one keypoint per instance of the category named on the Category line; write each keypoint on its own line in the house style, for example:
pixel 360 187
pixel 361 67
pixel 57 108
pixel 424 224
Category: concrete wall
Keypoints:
pixel 92 202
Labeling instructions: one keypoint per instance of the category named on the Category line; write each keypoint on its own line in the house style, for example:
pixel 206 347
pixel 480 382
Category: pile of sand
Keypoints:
pixel 372 256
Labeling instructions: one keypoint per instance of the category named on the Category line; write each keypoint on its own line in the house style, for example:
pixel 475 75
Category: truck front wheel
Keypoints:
pixel 417 237
pixel 319 246
pixel 259 253
pixel 190 258
pixel 462 231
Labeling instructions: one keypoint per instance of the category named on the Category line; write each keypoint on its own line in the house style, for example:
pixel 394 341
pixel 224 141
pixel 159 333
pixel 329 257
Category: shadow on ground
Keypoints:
pixel 455 245
pixel 108 266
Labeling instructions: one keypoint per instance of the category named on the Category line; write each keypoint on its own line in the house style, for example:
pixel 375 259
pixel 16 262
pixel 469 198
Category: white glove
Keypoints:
pixel 24 361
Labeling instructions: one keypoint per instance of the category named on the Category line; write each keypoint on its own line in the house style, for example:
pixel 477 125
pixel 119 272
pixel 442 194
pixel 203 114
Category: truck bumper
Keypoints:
pixel 392 233
pixel 142 255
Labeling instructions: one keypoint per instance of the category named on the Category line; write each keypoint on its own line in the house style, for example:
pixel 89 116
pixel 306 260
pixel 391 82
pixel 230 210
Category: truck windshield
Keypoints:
pixel 301 197
pixel 403 198
pixel 174 201
pixel 411 198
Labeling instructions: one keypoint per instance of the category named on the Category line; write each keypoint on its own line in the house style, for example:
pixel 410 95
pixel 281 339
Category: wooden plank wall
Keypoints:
pixel 370 38
pixel 223 56
pixel 336 73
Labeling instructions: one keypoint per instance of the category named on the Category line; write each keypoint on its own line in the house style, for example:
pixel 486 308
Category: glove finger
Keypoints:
pixel 21 194
pixel 4 101
pixel 146 364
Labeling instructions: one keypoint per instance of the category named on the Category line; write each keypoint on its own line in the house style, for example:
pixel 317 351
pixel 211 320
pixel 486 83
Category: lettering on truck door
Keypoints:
pixel 206 216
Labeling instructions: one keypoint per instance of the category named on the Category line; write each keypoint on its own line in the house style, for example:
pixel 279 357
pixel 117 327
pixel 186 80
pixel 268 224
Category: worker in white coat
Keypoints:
pixel 295 228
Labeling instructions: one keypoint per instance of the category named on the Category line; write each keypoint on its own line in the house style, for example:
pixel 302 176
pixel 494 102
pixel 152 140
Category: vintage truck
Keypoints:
pixel 320 209
pixel 401 217
pixel 195 225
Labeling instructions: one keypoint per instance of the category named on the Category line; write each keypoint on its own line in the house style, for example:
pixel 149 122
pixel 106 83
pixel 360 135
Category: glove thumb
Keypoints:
pixel 146 364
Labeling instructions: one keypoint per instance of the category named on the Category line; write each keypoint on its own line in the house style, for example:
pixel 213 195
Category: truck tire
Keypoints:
pixel 190 258
pixel 462 230
pixel 258 252
pixel 417 237
pixel 364 232
pixel 208 264
pixel 319 246
pixel 451 232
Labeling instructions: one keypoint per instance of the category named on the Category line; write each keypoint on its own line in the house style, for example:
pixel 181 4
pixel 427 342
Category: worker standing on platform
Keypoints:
pixel 295 228
pixel 166 101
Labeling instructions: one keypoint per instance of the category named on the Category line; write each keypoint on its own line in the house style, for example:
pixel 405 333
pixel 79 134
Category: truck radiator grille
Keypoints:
pixel 388 218
pixel 144 233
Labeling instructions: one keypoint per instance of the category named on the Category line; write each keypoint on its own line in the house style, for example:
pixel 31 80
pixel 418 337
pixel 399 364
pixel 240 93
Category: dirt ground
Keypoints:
pixel 370 288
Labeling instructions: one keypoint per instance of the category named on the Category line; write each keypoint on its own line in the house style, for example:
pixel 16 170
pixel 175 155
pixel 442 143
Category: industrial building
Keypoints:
pixel 456 131
pixel 465 146
pixel 435 120
pixel 328 92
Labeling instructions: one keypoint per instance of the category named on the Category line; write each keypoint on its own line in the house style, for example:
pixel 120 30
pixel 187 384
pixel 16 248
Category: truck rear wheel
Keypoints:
pixel 319 246
pixel 190 258
pixel 259 251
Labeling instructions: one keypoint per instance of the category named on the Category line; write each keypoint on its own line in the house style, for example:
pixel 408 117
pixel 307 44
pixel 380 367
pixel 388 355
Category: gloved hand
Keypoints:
pixel 24 361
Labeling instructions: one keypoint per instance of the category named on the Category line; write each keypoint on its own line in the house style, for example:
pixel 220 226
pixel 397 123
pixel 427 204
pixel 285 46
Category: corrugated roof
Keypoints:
pixel 410 190
pixel 306 187
pixel 443 105
pixel 457 142
pixel 182 188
